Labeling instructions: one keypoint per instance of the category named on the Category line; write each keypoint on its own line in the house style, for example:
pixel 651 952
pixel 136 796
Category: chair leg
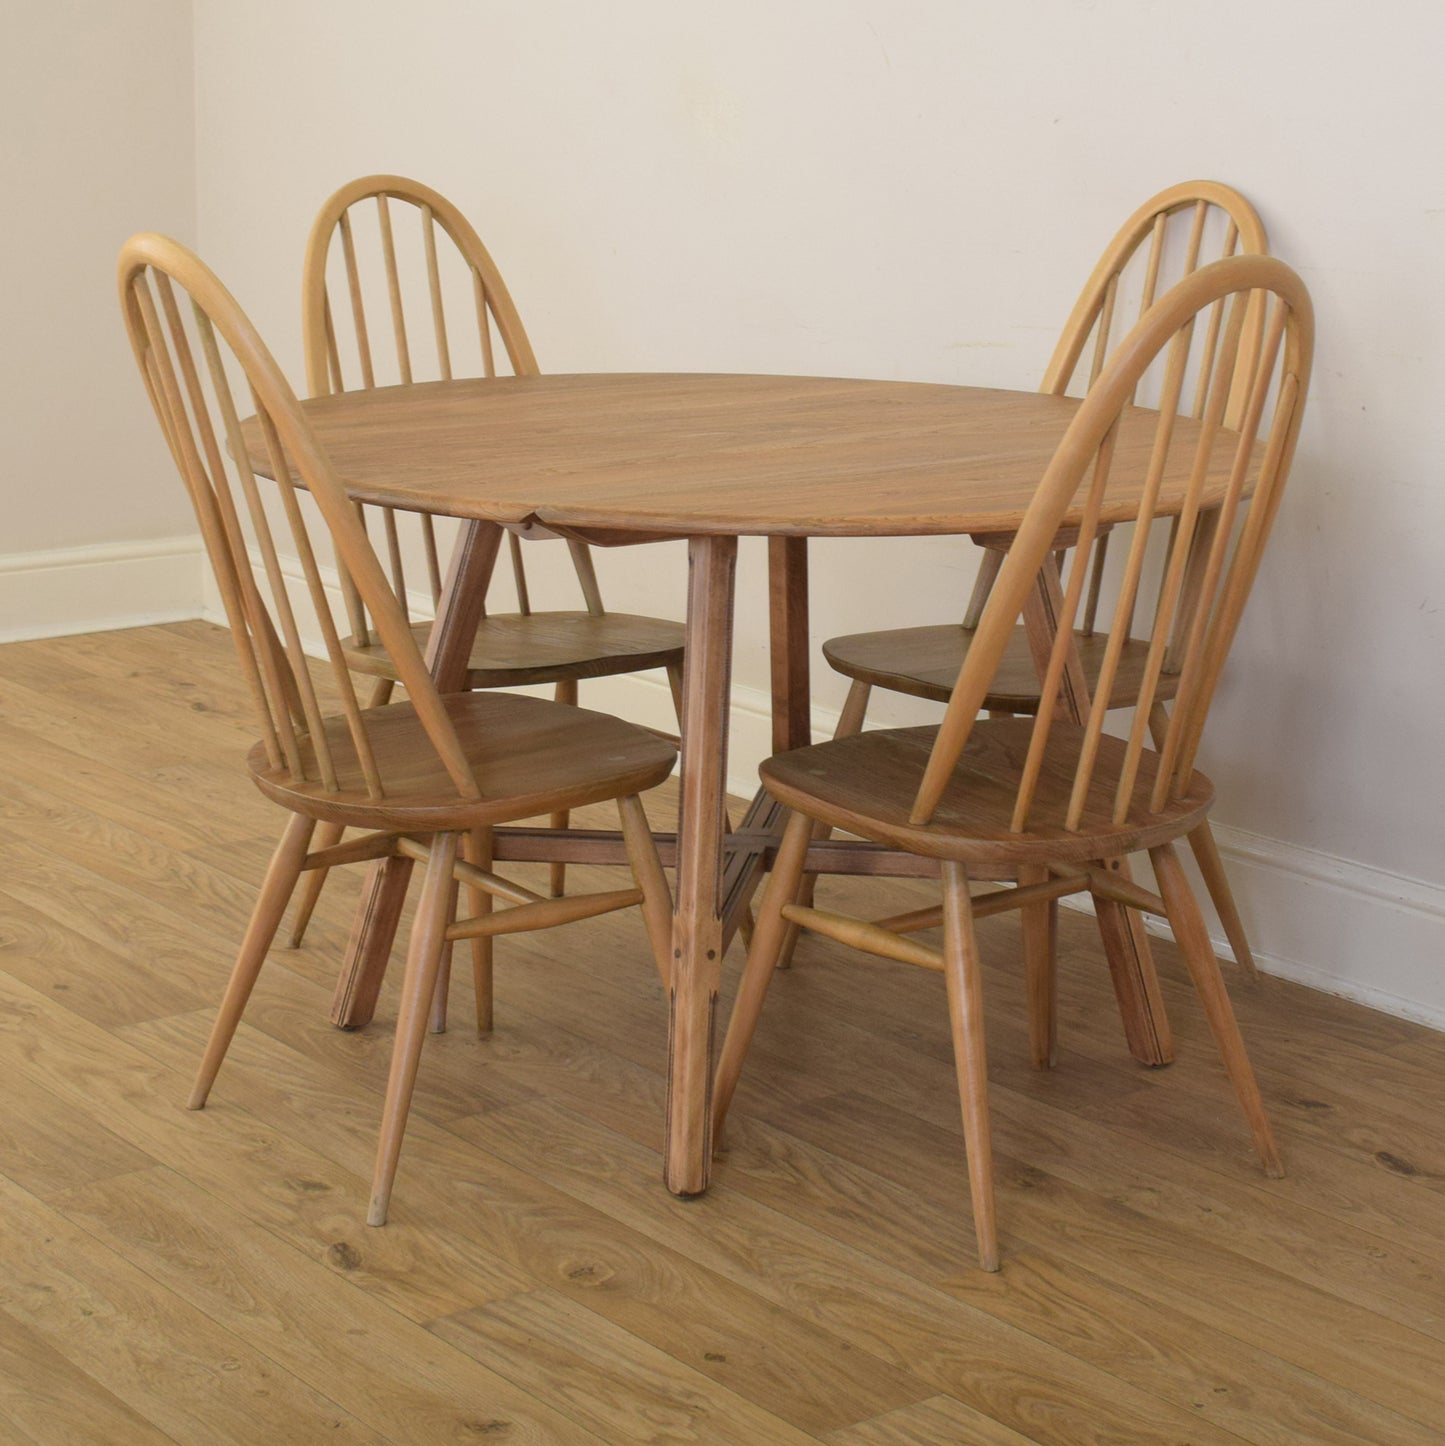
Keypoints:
pixel 647 870
pixel 1040 924
pixel 276 888
pixel 478 846
pixel 963 979
pixel 674 681
pixel 850 721
pixel 441 995
pixel 1193 938
pixel 1211 866
pixel 557 873
pixel 423 959
pixel 782 888
pixel 327 834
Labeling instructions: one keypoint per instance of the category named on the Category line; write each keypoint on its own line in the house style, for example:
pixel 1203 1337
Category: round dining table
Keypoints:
pixel 616 459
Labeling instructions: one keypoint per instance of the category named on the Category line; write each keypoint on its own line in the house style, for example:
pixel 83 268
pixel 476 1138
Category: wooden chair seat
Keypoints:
pixel 516 649
pixel 924 663
pixel 867 785
pixel 530 756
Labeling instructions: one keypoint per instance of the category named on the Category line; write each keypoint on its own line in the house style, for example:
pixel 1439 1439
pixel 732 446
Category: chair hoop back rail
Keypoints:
pixel 428 777
pixel 1045 804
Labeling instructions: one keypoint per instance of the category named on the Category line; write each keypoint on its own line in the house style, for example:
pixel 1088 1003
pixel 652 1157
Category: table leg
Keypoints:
pixel 697 932
pixel 792 694
pixel 1131 964
pixel 384 891
pixel 788 625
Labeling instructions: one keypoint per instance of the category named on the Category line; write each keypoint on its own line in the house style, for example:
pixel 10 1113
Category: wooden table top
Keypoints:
pixel 677 454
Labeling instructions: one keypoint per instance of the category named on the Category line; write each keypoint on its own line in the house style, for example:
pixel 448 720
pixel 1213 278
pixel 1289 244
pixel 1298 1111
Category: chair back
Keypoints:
pixel 398 288
pixel 1110 466
pixel 1168 238
pixel 1185 227
pixel 204 367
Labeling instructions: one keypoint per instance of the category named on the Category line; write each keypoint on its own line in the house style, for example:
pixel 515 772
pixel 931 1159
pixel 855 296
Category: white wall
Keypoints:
pixel 917 189
pixel 97 110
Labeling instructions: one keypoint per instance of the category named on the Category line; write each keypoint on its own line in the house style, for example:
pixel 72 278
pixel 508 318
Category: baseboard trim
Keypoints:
pixel 100 587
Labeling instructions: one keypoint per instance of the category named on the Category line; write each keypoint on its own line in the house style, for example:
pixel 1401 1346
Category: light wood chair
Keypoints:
pixel 1166 239
pixel 399 288
pixel 425 778
pixel 1046 803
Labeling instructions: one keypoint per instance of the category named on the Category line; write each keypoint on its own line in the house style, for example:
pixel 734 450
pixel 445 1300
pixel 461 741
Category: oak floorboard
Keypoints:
pixel 1236 1211
pixel 300 1195
pixel 1048 1122
pixel 191 1376
pixel 109 986
pixel 75 786
pixel 615 1384
pixel 955 1346
pixel 1155 1287
pixel 1094 1308
pixel 30 702
pixel 809 1376
pixel 45 1399
pixel 49 1144
pixel 832 1015
pixel 938 1421
pixel 176 877
pixel 396 1376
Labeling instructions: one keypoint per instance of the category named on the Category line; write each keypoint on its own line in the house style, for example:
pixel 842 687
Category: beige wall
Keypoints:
pixel 97 105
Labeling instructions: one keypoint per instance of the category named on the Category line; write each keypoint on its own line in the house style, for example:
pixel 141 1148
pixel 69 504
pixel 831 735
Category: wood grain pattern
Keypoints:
pixel 1154 1286
pixel 675 454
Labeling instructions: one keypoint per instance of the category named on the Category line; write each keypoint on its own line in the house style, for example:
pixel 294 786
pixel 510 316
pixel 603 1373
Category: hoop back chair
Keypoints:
pixel 1042 801
pixel 1165 240
pixel 398 288
pixel 423 777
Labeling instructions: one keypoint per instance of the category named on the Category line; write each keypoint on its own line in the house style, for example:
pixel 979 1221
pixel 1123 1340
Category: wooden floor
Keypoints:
pixel 197 1278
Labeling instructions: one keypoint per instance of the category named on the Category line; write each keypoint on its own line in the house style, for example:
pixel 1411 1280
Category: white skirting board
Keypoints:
pixel 1326 922
pixel 99 588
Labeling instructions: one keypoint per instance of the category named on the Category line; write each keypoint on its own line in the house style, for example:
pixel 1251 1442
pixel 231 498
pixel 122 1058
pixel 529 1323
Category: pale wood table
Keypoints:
pixel 617 459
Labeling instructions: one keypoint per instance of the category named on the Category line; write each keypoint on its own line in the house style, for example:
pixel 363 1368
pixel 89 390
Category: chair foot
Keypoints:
pixel 423 962
pixel 962 976
pixel 276 890
pixel 1211 867
pixel 1198 951
pixel 768 932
